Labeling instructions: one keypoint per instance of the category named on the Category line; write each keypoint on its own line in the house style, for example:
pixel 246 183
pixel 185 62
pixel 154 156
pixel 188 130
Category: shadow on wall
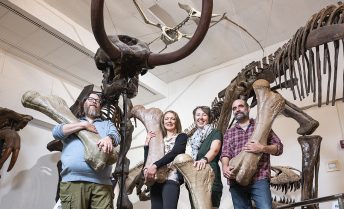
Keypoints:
pixel 34 188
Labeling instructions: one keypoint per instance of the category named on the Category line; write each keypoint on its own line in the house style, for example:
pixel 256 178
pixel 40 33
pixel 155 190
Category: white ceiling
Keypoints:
pixel 269 21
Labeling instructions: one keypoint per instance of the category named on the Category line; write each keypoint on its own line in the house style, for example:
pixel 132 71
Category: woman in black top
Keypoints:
pixel 165 195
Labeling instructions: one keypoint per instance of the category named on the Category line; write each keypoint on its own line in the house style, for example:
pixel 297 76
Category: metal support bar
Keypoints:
pixel 339 197
pixel 341 202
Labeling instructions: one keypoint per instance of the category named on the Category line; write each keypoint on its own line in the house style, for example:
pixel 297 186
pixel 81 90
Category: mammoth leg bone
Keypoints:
pixel 310 146
pixel 122 168
pixel 268 107
pixel 151 120
pixel 57 109
pixel 307 123
pixel 199 182
pixel 123 201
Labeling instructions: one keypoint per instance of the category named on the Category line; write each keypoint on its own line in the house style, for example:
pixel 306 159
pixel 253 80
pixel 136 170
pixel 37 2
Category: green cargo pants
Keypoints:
pixel 85 195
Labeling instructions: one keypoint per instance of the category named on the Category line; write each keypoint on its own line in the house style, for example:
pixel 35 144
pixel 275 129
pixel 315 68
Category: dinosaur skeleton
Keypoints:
pixel 171 35
pixel 195 15
pixel 301 70
pixel 10 123
pixel 285 178
pixel 168 35
pixel 295 63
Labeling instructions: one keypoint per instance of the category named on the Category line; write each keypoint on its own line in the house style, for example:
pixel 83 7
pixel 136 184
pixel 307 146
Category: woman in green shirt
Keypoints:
pixel 206 148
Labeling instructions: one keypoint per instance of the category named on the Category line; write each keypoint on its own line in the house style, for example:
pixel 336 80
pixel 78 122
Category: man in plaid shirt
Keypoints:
pixel 234 141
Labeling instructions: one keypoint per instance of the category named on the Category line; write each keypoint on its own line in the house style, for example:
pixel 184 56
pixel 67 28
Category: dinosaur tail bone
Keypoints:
pixel 268 107
pixel 57 109
pixel 199 182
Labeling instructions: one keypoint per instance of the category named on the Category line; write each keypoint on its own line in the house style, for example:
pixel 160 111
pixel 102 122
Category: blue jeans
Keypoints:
pixel 259 192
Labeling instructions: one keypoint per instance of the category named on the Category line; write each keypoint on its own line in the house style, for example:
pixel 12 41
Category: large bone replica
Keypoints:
pixel 57 109
pixel 151 120
pixel 199 182
pixel 268 107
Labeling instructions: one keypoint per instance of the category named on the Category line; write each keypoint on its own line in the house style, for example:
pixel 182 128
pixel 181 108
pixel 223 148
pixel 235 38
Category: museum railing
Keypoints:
pixel 339 197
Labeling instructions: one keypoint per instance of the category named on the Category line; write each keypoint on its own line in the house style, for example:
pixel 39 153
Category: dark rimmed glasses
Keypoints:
pixel 94 100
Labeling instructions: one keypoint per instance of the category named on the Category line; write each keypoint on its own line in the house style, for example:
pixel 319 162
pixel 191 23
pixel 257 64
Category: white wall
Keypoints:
pixel 31 184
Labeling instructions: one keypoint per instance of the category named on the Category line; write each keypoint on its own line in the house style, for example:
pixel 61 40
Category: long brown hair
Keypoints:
pixel 178 123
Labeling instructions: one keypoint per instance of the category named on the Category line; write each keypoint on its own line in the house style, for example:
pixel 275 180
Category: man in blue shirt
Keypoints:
pixel 81 186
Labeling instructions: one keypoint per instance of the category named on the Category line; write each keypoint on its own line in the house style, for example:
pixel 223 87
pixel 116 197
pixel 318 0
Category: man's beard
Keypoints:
pixel 241 116
pixel 92 112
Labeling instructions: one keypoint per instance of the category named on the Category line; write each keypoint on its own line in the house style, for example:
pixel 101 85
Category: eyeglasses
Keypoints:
pixel 91 99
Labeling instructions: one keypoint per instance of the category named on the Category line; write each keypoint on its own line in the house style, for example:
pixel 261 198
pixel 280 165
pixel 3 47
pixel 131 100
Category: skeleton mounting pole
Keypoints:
pixel 124 136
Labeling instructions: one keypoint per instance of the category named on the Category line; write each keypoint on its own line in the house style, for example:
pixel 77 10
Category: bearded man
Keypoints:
pixel 235 140
pixel 81 186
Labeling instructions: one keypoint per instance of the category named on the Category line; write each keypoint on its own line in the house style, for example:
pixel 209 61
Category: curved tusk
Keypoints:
pixel 97 22
pixel 197 38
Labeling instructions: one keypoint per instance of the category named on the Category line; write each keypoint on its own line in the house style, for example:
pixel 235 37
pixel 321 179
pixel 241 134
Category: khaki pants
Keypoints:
pixel 85 195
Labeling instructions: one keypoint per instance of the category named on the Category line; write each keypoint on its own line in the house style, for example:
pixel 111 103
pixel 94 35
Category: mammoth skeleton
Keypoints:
pixel 126 57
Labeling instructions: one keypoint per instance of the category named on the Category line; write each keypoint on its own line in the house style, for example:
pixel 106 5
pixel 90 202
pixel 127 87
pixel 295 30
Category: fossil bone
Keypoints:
pixel 199 181
pixel 269 105
pixel 151 120
pixel 310 146
pixel 57 109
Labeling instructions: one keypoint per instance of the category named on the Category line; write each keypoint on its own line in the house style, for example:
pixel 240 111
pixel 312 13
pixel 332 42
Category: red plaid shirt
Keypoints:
pixel 234 140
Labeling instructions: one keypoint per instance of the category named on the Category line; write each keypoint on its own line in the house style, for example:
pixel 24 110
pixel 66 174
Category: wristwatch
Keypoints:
pixel 112 137
pixel 205 158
